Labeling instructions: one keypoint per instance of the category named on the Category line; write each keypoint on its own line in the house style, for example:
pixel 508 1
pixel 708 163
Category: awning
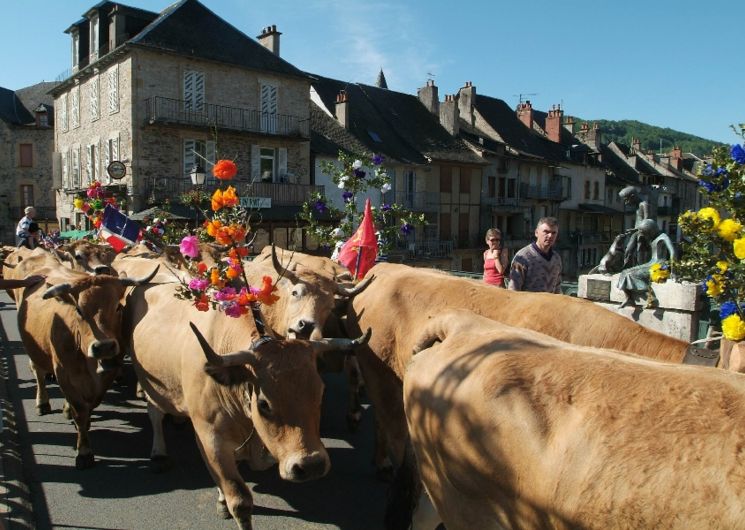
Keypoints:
pixel 75 234
pixel 598 208
pixel 153 212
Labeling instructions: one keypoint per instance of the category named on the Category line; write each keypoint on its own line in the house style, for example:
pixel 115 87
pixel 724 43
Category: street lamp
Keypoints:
pixel 198 177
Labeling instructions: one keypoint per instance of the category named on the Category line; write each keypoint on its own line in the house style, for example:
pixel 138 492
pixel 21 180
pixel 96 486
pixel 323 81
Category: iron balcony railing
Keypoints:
pixel 551 192
pixel 418 201
pixel 281 194
pixel 177 111
pixel 426 248
pixel 500 201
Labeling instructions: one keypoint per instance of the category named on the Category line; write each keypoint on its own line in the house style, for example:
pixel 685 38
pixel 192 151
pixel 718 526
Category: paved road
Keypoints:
pixel 120 492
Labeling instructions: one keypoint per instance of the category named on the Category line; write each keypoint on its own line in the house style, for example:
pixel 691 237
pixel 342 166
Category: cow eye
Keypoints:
pixel 264 408
pixel 296 292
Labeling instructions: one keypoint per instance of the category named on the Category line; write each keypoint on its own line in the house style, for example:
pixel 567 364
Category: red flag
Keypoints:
pixel 359 252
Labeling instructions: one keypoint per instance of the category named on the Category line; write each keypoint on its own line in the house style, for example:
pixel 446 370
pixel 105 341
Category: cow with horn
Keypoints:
pixel 72 327
pixel 249 397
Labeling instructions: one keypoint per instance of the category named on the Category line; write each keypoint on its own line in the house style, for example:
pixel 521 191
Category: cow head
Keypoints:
pixel 88 257
pixel 281 383
pixel 307 298
pixel 96 319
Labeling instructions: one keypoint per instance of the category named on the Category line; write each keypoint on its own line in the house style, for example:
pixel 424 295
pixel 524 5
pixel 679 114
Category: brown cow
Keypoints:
pixel 259 400
pixel 513 429
pixel 72 327
pixel 404 299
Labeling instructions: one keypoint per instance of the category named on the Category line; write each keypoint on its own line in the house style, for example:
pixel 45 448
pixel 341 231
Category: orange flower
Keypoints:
pixel 217 201
pixel 213 227
pixel 224 169
pixel 215 276
pixel 231 273
pixel 237 253
pixel 229 198
pixel 228 235
pixel 265 294
pixel 202 303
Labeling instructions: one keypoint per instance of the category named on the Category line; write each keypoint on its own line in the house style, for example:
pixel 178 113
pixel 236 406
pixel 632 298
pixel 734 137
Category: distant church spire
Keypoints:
pixel 381 82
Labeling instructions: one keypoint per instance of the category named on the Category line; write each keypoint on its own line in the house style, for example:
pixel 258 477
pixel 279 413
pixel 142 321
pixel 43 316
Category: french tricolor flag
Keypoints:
pixel 117 229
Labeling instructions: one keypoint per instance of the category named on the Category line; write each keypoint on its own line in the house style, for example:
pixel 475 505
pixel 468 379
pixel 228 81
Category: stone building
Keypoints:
pixel 27 140
pixel 168 92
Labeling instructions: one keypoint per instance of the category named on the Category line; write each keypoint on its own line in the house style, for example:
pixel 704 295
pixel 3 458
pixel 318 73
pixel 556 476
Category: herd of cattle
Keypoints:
pixel 493 409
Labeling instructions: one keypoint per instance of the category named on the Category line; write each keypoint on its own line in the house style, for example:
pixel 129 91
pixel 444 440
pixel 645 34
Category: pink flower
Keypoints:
pixel 233 310
pixel 225 294
pixel 198 284
pixel 189 247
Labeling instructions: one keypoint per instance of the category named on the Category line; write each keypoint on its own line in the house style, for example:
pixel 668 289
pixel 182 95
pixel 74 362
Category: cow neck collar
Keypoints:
pixel 261 340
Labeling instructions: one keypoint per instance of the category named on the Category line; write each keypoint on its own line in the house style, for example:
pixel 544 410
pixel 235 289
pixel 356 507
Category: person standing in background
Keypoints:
pixel 495 258
pixel 23 233
pixel 537 267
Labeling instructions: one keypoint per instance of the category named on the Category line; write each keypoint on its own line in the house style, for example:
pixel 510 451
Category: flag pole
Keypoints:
pixel 359 258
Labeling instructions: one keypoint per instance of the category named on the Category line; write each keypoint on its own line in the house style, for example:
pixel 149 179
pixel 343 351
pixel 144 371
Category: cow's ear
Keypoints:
pixel 229 375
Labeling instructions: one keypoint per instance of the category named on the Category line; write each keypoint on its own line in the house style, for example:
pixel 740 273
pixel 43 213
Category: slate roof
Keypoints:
pixel 12 110
pixel 394 123
pixel 189 28
pixel 328 137
pixel 620 167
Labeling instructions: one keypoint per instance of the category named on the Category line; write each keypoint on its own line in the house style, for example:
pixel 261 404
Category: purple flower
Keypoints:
pixel 727 309
pixel 198 284
pixel 189 247
pixel 386 207
pixel 738 154
pixel 232 309
pixel 347 195
pixel 359 173
pixel 708 170
pixel 320 206
pixel 407 228
pixel 377 159
pixel 708 186
pixel 224 294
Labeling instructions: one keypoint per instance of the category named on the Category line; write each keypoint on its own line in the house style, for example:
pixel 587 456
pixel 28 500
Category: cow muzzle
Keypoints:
pixel 301 468
pixel 302 329
pixel 103 349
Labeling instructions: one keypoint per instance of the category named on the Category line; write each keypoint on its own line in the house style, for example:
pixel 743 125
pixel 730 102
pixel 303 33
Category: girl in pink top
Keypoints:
pixel 495 258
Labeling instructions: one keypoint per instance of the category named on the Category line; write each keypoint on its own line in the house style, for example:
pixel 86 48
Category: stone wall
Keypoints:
pixel 677 312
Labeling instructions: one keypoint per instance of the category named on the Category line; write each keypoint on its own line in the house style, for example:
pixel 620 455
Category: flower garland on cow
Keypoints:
pixel 224 285
pixel 358 176
pixel 714 250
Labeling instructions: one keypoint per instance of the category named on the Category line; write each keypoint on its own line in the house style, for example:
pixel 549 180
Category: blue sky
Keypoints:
pixel 674 64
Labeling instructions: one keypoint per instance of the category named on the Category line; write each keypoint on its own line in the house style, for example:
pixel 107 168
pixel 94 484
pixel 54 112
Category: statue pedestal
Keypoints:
pixel 677 313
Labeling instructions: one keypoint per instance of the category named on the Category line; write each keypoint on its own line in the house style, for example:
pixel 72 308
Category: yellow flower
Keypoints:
pixel 715 285
pixel 710 214
pixel 729 229
pixel 739 248
pixel 723 265
pixel 659 272
pixel 733 327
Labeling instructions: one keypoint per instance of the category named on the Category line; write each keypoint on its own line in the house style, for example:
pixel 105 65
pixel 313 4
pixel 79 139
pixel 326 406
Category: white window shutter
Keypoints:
pixel 94 92
pixel 75 107
pixel 65 175
pixel 211 155
pixel 199 91
pixel 88 165
pixel 255 163
pixel 189 157
pixel 115 148
pixel 107 160
pixel 188 90
pixel 282 164
pixel 113 79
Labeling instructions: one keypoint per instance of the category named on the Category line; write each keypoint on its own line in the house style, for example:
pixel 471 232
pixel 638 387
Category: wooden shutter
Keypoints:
pixel 75 107
pixel 94 92
pixel 193 91
pixel 189 156
pixel 268 108
pixel 282 163
pixel 113 78
pixel 445 230
pixel 65 173
pixel 255 163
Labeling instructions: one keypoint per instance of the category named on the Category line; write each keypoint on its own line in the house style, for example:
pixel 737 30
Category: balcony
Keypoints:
pixel 179 112
pixel 551 193
pixel 419 201
pixel 281 194
pixel 500 201
pixel 428 248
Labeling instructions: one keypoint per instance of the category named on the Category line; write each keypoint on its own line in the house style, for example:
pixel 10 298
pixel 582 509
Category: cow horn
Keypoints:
pixel 6 264
pixel 57 290
pixel 62 255
pixel 140 281
pixel 322 345
pixel 280 270
pixel 351 292
pixel 231 359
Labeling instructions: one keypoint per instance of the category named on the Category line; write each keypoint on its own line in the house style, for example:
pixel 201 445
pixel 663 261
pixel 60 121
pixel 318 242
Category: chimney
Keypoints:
pixel 269 39
pixel 569 124
pixel 429 98
pixel 449 115
pixel 636 145
pixel 553 123
pixel 525 113
pixel 592 137
pixel 342 109
pixel 676 158
pixel 466 99
pixel 117 28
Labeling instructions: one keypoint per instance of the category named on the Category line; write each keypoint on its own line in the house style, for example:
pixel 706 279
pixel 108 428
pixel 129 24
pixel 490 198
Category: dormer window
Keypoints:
pixel 75 49
pixel 94 38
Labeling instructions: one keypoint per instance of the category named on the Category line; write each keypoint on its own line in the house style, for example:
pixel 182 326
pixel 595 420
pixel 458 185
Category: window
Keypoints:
pixel 62 111
pixel 445 231
pixel 94 92
pixel 26 155
pixel 596 191
pixel 266 164
pixel 75 107
pixel 91 167
pixel 463 222
pixel 587 190
pixel 75 49
pixel 511 188
pixel 42 119
pixel 193 91
pixel 268 108
pixel 446 179
pixel 465 180
pixel 94 38
pixel 199 153
pixel 491 183
pixel 76 167
pixel 27 195
pixel 113 82
pixel 65 171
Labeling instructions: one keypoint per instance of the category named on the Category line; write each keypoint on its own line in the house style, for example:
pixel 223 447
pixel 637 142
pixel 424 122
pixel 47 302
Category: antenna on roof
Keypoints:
pixel 523 95
pixel 430 76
